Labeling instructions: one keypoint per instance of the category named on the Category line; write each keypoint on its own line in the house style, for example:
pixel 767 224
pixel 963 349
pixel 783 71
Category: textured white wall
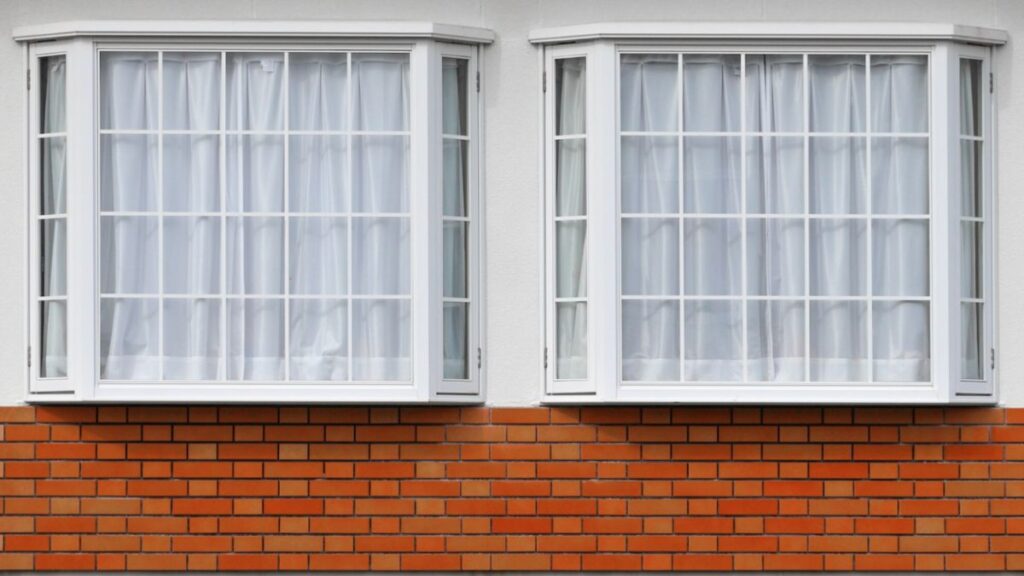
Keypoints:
pixel 511 115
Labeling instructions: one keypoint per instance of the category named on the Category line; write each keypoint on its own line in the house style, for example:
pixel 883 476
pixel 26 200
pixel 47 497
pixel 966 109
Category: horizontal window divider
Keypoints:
pixel 166 132
pixel 198 383
pixel 580 218
pixel 454 300
pixel 761 216
pixel 972 138
pixel 755 384
pixel 459 137
pixel 737 134
pixel 571 299
pixel 46 135
pixel 54 298
pixel 257 296
pixel 795 298
pixel 972 300
pixel 972 219
pixel 570 137
pixel 258 214
pixel 60 216
pixel 465 219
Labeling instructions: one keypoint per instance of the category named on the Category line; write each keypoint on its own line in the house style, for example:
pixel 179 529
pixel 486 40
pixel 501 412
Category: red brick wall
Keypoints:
pixel 353 488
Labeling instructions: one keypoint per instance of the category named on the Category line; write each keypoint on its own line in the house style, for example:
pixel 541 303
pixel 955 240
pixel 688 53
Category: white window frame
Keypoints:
pixel 602 45
pixel 426 44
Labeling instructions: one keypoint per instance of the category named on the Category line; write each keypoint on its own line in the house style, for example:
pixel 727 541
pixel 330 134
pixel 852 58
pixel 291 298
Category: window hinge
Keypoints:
pixel 991 83
pixel 543 81
pixel 28 79
pixel 993 358
pixel 29 356
pixel 545 358
pixel 478 81
pixel 479 358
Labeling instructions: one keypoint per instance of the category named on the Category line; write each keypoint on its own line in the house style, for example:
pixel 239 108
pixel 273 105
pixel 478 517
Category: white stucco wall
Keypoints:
pixel 511 84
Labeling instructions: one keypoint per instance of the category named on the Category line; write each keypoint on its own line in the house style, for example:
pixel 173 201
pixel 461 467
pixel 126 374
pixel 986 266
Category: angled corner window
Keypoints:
pixel 777 223
pixel 268 221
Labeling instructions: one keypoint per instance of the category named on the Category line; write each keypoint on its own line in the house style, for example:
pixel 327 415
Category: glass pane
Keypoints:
pixel 255 339
pixel 972 341
pixel 128 172
pixel 456 341
pixel 381 340
pixel 318 255
pixel 53 244
pixel 455 260
pixel 650 174
pixel 191 173
pixel 899 258
pixel 711 92
pixel 380 89
pixel 191 257
pixel 775 337
pixel 191 90
pixel 901 342
pixel 899 175
pixel 970 97
pixel 899 93
pixel 571 340
pixel 192 339
pixel 53 171
pixel 318 340
pixel 317 91
pixel 317 175
pixel 775 257
pixel 129 255
pixel 838 175
pixel 775 93
pixel 714 341
pixel 255 255
pixel 380 177
pixel 839 341
pixel 454 82
pixel 571 259
pixel 713 257
pixel 775 175
pixel 571 96
pixel 52 94
pixel 838 257
pixel 650 340
pixel 571 177
pixel 456 166
pixel 380 256
pixel 129 339
pixel 255 178
pixel 711 170
pixel 53 339
pixel 971 183
pixel 971 246
pixel 838 92
pixel 255 91
pixel 650 256
pixel 649 92
pixel 129 98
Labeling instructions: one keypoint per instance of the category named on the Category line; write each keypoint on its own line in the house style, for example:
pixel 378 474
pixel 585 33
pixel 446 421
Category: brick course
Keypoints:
pixel 445 488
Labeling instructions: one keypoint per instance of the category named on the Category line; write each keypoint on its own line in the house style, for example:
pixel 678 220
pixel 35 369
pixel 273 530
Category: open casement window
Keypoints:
pixel 255 220
pixel 798 221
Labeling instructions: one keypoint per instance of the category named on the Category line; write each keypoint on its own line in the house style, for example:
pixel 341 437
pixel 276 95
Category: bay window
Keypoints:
pixel 772 215
pixel 254 218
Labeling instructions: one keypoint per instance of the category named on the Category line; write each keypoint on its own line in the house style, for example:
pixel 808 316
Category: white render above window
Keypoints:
pixel 283 214
pixel 783 213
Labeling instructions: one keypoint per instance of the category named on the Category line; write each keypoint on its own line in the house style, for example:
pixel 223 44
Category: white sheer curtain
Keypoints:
pixel 455 346
pixel 794 263
pixel 570 219
pixel 53 230
pixel 232 325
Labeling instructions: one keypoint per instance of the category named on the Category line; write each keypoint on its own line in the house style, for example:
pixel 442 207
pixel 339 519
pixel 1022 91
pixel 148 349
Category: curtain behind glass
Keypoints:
pixel 53 230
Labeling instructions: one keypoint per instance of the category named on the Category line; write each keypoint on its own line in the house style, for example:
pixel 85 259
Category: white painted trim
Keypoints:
pixel 794 31
pixel 252 28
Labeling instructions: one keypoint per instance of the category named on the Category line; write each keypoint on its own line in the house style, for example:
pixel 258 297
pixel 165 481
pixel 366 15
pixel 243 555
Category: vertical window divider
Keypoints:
pixel 160 211
pixel 806 80
pixel 681 199
pixel 869 212
pixel 745 353
pixel 286 321
pixel 222 159
pixel 349 220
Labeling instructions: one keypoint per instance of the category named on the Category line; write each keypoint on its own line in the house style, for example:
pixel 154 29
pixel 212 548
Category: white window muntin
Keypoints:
pixel 943 338
pixel 426 260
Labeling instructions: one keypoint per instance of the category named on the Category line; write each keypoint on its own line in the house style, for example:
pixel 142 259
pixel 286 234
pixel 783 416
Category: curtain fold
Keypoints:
pixel 53 232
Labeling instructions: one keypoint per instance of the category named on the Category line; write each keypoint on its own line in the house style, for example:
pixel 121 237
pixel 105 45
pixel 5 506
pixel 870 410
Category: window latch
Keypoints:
pixel 991 83
pixel 28 79
pixel 545 358
pixel 478 81
pixel 543 81
pixel 479 358
pixel 993 358
pixel 29 356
